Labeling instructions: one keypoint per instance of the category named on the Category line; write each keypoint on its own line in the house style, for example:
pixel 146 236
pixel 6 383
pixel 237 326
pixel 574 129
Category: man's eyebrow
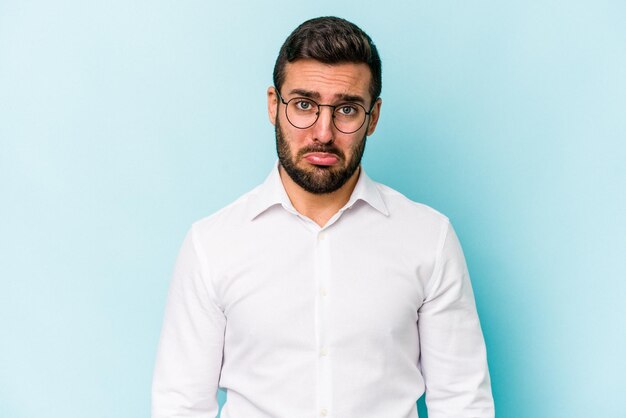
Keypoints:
pixel 339 96
pixel 305 93
pixel 350 98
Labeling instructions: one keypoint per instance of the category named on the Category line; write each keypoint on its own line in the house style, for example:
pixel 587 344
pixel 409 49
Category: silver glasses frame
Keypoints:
pixel 333 107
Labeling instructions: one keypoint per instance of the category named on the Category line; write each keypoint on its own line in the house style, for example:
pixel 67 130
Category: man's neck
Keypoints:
pixel 318 207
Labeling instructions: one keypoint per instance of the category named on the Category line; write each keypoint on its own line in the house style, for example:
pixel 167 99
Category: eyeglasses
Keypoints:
pixel 303 112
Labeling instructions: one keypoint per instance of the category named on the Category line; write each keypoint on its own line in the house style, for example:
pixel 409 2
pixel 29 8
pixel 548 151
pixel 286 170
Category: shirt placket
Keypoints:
pixel 322 281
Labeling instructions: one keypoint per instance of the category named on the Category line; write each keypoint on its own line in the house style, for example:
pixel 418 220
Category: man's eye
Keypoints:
pixel 303 105
pixel 347 110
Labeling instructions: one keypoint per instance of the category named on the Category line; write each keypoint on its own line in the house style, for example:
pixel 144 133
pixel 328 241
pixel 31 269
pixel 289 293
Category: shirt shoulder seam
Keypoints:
pixel 443 236
pixel 205 269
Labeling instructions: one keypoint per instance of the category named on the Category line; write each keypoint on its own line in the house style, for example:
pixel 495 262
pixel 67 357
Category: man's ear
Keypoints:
pixel 272 104
pixel 374 115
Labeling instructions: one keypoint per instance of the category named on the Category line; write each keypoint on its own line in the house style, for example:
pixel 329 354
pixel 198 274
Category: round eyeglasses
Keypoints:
pixel 303 112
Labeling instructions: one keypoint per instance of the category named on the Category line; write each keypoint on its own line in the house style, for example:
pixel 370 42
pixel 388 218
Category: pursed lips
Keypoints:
pixel 321 158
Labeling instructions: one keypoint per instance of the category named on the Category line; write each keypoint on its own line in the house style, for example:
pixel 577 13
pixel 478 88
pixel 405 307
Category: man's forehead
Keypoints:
pixel 317 79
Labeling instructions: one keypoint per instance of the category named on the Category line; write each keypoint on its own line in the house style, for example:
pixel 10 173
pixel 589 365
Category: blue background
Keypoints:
pixel 123 122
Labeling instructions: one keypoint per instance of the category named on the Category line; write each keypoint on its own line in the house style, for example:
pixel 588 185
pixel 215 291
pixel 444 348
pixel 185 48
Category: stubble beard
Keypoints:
pixel 318 179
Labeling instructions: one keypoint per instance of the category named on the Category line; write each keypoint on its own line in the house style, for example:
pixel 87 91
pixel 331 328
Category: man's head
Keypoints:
pixel 330 40
pixel 324 102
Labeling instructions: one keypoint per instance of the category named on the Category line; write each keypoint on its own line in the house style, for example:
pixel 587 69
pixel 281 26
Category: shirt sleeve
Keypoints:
pixel 453 355
pixel 189 356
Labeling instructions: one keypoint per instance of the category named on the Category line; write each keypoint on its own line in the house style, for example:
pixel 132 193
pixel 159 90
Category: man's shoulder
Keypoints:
pixel 402 207
pixel 229 216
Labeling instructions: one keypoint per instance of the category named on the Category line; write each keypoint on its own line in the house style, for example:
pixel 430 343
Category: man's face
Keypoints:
pixel 321 159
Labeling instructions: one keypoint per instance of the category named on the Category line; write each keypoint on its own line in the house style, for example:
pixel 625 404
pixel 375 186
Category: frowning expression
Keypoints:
pixel 321 158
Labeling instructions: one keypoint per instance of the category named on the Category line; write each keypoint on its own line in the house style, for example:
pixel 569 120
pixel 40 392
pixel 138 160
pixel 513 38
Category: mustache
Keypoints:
pixel 327 148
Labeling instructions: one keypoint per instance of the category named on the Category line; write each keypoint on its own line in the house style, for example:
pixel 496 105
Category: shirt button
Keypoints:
pixel 323 352
pixel 324 292
pixel 324 412
pixel 321 236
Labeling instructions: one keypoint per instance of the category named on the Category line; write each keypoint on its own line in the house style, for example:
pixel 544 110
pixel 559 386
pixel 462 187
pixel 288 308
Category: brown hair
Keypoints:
pixel 330 40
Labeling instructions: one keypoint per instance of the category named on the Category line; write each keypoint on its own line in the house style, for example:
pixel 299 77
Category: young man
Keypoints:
pixel 322 293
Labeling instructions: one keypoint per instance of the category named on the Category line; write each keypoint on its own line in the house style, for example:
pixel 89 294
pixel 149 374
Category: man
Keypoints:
pixel 322 293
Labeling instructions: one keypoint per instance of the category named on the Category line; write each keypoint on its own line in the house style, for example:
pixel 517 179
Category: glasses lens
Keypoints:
pixel 349 117
pixel 302 112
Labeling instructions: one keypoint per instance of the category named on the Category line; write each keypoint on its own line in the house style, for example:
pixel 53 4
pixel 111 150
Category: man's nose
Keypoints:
pixel 324 127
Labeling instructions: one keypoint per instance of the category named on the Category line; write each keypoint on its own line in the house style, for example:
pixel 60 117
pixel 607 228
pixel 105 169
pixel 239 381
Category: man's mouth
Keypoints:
pixel 321 158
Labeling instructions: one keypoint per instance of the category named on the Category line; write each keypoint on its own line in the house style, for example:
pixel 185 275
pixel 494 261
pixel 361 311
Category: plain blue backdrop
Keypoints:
pixel 122 122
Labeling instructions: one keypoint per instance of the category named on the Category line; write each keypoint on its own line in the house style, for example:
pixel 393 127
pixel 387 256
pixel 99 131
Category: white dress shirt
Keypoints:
pixel 355 319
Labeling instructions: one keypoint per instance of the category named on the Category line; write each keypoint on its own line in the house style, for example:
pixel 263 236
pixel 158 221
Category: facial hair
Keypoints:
pixel 318 179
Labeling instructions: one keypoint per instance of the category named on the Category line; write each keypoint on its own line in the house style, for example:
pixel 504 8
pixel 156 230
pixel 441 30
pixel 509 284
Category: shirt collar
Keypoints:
pixel 272 192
